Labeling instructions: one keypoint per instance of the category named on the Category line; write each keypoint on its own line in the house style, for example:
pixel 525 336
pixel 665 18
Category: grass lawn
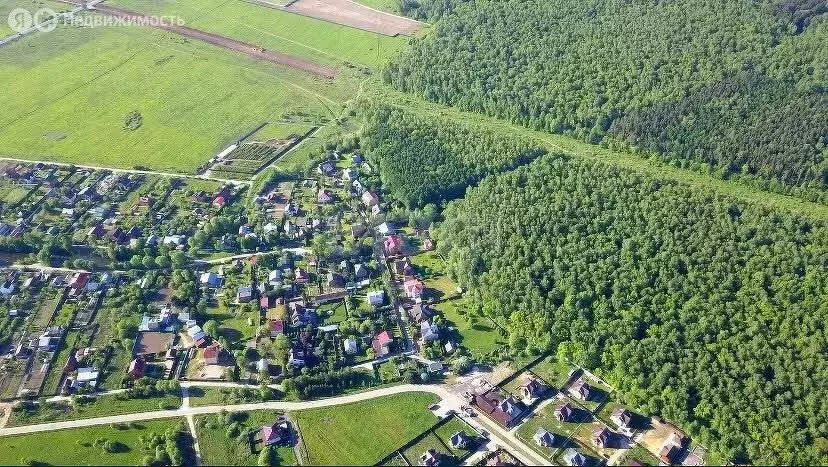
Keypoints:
pixel 413 453
pixel 314 39
pixel 32 6
pixel 74 447
pixel 102 407
pixel 640 454
pixel 218 449
pixel 478 335
pixel 68 94
pixel 363 433
pixel 389 6
pixel 445 431
pixel 552 371
pixel 278 130
pixel 204 396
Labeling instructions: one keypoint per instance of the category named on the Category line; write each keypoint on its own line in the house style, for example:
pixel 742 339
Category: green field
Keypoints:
pixel 32 6
pixel 390 6
pixel 277 130
pixel 218 449
pixel 478 334
pixel 74 447
pixel 365 432
pixel 67 95
pixel 292 34
pixel 102 407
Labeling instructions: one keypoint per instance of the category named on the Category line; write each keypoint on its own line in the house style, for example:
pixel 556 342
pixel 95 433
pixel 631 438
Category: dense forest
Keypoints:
pixel 736 88
pixel 425 160
pixel 706 310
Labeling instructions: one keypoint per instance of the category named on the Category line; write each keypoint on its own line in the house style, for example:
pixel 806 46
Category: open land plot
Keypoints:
pixel 69 94
pixel 280 130
pixel 365 432
pixel 75 446
pixel 388 6
pixel 359 16
pixel 430 441
pixel 102 406
pixel 554 372
pixel 32 6
pixel 218 449
pixel 309 38
pixel 479 335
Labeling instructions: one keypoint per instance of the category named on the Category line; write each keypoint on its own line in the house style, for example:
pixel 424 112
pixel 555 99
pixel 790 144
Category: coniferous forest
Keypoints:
pixel 734 88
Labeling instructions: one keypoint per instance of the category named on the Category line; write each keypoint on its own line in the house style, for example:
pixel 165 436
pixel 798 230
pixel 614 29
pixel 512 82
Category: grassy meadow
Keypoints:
pixel 67 95
pixel 314 39
pixel 74 447
pixel 364 432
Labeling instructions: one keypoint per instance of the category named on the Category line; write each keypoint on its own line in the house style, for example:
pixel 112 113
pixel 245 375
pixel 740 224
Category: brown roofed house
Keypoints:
pixel 581 390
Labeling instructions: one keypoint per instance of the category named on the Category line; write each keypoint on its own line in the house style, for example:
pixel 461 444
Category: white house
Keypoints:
pixel 376 297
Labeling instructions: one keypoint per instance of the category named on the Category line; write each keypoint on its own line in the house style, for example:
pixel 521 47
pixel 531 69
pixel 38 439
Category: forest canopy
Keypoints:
pixel 737 88
pixel 706 310
pixel 425 160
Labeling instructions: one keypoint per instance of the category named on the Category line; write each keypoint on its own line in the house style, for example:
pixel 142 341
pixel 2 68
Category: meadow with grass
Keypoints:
pixel 363 433
pixel 292 34
pixel 72 96
pixel 82 446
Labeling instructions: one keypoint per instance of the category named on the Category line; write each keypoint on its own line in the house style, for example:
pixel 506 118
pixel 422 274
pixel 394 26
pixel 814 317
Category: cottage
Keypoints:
pixel 671 448
pixel 573 457
pixel 460 440
pixel 324 196
pixel 622 418
pixel 544 438
pixel 370 199
pixel 301 276
pixel 601 437
pixel 564 412
pixel 430 458
pixel 360 271
pixel 275 434
pixel 413 289
pixel 376 297
pixel 349 175
pixel 429 332
pixel 581 390
pixel 274 278
pixel 211 354
pixel 277 328
pixel 137 368
pixel 401 267
pixel 386 228
pixel 420 313
pixel 327 168
pixel 393 245
pixel 382 344
pixel 358 230
pixel 533 389
pixel 428 244
pixel 210 279
pixel 297 358
pixel 504 409
pixel 335 280
pixel 350 346
pixel 245 294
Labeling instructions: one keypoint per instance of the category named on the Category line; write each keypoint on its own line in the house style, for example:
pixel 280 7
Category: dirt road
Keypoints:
pixel 224 42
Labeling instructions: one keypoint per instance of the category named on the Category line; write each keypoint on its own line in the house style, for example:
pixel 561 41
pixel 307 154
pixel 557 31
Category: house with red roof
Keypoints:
pixel 382 344
pixel 413 289
pixel 277 327
pixel 220 201
pixel 211 354
pixel 276 433
pixel 137 368
pixel 393 245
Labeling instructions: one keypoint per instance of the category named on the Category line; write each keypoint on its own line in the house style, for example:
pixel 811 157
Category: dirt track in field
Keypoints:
pixel 349 13
pixel 226 43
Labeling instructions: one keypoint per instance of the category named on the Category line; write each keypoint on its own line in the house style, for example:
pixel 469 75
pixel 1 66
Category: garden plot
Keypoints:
pixel 348 13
